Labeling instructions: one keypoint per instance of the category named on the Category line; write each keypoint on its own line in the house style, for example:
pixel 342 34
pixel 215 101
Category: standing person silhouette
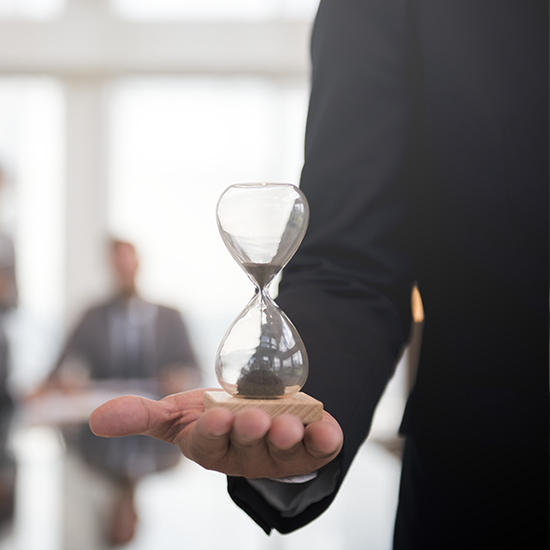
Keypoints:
pixel 8 302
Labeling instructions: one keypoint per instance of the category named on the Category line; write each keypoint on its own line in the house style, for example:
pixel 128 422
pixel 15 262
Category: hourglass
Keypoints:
pixel 262 361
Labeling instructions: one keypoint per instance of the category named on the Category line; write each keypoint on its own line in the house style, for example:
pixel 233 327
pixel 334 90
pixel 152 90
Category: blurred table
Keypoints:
pixel 75 406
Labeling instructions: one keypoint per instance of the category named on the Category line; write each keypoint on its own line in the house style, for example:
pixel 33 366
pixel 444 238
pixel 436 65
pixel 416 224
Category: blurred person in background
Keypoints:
pixel 8 302
pixel 125 344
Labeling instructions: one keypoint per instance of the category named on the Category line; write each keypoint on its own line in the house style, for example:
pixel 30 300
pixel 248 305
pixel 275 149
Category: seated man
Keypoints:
pixel 139 345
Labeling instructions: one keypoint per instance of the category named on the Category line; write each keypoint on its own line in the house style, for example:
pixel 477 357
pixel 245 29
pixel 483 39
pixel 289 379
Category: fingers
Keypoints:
pixel 289 440
pixel 285 437
pixel 209 440
pixel 250 428
pixel 323 439
pixel 247 438
pixel 226 442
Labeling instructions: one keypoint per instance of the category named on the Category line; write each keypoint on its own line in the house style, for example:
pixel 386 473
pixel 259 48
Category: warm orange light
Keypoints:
pixel 417 307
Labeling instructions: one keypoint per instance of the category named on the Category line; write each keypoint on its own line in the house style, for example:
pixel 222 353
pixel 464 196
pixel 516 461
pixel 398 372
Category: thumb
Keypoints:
pixel 128 415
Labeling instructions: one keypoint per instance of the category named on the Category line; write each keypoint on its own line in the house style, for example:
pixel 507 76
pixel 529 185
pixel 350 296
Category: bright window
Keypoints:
pixel 215 9
pixel 31 9
pixel 31 213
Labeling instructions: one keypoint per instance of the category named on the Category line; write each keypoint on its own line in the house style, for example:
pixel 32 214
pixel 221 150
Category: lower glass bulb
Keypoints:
pixel 262 355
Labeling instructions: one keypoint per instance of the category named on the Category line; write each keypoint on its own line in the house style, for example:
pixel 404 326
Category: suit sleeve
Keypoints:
pixel 348 288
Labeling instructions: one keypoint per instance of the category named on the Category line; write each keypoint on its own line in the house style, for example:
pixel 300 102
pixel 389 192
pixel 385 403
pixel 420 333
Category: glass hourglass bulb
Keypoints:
pixel 262 354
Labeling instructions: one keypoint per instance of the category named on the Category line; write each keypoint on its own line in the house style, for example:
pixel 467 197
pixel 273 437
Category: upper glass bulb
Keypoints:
pixel 262 354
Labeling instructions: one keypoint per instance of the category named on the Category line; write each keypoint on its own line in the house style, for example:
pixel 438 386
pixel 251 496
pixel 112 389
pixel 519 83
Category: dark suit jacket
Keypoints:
pixel 91 340
pixel 426 160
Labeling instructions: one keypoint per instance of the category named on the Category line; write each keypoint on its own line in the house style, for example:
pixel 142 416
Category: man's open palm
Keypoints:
pixel 248 444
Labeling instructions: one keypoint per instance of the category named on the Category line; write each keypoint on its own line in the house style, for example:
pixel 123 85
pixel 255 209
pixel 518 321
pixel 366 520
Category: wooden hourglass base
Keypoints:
pixel 306 408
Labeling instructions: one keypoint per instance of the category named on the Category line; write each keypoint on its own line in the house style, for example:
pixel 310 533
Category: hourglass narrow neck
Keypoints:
pixel 261 274
pixel 261 300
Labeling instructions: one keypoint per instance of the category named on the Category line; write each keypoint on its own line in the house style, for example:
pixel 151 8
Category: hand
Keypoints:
pixel 249 444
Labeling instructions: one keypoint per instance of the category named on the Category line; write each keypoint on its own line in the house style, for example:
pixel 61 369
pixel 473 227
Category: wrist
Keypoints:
pixel 304 478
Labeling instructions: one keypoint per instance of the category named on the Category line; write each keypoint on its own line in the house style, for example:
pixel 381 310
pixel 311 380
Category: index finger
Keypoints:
pixel 209 440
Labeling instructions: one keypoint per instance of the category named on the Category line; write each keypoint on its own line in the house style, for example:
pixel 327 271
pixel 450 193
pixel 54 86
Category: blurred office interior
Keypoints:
pixel 128 118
